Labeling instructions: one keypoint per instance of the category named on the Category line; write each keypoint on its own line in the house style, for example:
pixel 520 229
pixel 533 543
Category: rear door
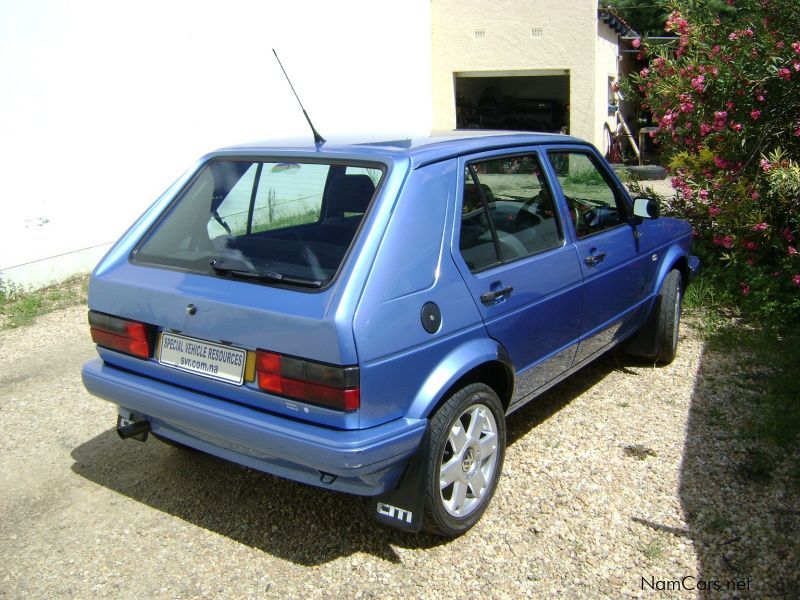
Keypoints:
pixel 615 270
pixel 511 250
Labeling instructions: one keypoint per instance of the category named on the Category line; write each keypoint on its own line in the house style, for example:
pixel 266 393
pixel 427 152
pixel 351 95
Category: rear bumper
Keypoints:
pixel 365 461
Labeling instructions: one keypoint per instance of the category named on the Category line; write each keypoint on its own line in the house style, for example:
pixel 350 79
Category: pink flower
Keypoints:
pixel 765 165
pixel 697 83
pixel 797 132
pixel 745 288
pixel 787 235
pixel 725 242
pixel 760 227
pixel 714 211
pixel 703 194
pixel 796 280
pixel 780 45
pixel 755 115
pixel 750 262
pixel 751 246
pixel 730 105
pixel 785 73
pixel 736 126
pixel 733 36
pixel 715 49
pixel 796 47
pixel 760 98
pixel 720 162
pixel 636 43
pixel 705 129
pixel 791 250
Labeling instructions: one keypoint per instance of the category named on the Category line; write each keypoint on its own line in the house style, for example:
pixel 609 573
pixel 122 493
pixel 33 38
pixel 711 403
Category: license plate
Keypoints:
pixel 215 361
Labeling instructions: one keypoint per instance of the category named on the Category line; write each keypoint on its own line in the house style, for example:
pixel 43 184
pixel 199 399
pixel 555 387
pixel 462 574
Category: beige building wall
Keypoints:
pixel 499 38
pixel 606 68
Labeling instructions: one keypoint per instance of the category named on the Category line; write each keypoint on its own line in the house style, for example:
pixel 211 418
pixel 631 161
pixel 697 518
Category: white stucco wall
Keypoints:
pixel 104 104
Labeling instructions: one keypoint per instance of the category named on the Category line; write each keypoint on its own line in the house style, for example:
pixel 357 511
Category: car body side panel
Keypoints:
pixel 412 268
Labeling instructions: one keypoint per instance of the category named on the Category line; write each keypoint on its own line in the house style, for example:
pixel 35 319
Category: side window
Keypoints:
pixel 507 212
pixel 594 205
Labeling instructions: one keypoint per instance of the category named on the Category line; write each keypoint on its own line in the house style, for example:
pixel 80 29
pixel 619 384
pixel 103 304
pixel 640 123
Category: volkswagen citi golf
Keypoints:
pixel 365 317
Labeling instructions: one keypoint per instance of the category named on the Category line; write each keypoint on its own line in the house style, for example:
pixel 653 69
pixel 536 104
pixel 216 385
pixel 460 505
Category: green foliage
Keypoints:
pixel 19 307
pixel 726 97
pixel 647 18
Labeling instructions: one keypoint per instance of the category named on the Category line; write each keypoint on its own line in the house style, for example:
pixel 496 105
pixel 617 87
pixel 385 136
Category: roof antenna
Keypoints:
pixel 318 139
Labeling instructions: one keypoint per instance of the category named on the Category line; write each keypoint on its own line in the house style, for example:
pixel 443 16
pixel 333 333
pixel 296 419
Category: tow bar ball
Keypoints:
pixel 127 428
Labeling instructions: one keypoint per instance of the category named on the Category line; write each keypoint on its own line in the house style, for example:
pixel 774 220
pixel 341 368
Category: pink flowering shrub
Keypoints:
pixel 726 98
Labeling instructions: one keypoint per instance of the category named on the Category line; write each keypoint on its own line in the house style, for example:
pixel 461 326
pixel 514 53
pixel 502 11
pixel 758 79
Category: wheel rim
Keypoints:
pixel 468 461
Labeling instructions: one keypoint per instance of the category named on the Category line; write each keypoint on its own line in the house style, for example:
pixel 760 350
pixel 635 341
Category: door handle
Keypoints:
pixel 595 259
pixel 496 296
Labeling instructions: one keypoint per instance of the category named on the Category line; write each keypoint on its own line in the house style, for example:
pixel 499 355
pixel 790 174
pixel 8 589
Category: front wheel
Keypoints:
pixel 465 458
pixel 669 317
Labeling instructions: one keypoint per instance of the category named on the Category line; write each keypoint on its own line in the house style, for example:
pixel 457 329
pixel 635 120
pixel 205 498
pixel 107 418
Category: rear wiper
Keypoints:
pixel 220 267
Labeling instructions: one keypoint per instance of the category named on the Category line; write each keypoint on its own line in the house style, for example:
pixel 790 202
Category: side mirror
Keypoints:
pixel 646 208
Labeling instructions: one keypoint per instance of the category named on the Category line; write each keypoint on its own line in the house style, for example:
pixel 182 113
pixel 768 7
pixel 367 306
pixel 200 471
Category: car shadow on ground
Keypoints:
pixel 743 519
pixel 295 522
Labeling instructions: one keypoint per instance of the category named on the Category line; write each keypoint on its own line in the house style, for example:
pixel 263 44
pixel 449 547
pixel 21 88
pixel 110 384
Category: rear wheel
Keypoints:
pixel 669 317
pixel 465 458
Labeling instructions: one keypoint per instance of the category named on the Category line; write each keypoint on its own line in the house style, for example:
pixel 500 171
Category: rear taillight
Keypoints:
pixel 130 337
pixel 309 381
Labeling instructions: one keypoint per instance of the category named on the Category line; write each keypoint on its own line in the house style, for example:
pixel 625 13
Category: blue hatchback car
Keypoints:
pixel 364 317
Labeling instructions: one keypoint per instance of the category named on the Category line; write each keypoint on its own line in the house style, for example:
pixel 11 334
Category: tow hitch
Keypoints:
pixel 127 428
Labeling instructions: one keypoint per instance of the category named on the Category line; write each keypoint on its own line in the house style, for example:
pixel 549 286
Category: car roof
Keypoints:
pixel 421 150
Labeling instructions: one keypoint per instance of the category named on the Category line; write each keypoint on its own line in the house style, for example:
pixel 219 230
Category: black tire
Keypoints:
pixel 669 317
pixel 479 462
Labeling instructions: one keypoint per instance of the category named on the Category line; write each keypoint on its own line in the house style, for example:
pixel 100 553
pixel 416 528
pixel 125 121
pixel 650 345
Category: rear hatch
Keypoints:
pixel 234 288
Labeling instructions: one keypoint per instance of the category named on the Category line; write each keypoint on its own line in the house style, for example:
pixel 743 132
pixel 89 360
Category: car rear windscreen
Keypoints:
pixel 288 223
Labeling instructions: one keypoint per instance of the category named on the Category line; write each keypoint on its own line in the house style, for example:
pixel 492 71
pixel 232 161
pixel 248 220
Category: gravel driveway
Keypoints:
pixel 608 482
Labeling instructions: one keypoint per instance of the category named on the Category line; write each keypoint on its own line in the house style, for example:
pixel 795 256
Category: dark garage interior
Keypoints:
pixel 527 103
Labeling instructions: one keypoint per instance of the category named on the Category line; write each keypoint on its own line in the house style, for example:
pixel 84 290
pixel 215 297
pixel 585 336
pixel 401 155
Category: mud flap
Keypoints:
pixel 404 507
pixel 645 341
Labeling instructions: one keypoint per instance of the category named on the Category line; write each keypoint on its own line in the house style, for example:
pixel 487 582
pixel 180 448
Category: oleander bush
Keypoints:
pixel 726 98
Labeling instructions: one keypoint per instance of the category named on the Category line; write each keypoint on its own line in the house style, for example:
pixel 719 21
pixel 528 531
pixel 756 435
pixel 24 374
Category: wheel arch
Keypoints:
pixel 482 361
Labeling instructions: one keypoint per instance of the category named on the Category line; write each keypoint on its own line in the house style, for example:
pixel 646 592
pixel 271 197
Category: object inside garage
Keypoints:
pixel 519 102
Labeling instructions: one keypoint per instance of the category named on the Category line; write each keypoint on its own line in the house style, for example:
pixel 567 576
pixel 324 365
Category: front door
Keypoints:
pixel 615 272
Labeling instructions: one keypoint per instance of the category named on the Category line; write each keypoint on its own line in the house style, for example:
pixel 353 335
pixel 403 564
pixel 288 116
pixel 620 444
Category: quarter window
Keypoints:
pixel 507 212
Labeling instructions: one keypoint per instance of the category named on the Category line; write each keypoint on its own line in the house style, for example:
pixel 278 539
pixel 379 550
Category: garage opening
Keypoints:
pixel 525 102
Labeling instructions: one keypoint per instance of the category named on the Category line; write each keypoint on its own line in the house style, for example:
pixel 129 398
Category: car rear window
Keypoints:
pixel 283 222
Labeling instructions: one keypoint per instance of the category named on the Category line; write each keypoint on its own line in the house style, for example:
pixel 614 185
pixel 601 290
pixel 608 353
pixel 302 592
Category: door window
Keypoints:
pixel 594 205
pixel 507 212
